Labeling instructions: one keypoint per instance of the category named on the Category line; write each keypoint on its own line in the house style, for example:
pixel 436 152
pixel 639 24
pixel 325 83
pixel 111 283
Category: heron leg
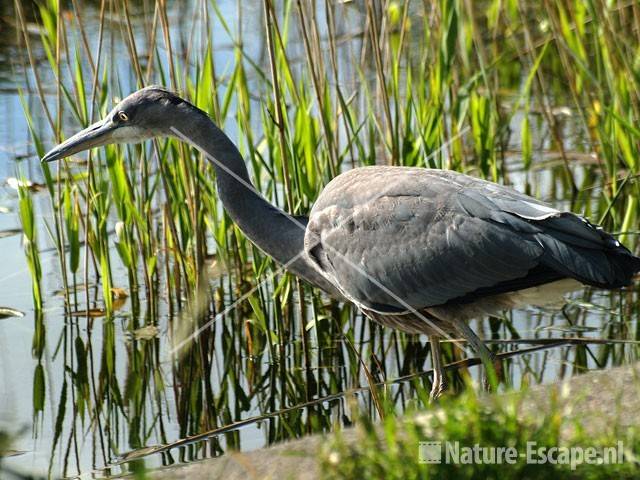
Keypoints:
pixel 439 384
pixel 493 373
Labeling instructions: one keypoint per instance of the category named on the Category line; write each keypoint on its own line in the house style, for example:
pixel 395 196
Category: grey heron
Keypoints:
pixel 415 249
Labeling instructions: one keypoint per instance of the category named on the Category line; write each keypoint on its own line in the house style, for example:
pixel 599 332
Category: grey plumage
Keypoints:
pixel 436 237
pixel 416 249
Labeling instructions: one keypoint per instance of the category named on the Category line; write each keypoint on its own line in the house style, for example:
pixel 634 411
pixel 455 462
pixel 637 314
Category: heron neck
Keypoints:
pixel 275 232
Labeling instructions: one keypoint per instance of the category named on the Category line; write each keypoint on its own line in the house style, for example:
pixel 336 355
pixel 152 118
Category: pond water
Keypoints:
pixel 140 393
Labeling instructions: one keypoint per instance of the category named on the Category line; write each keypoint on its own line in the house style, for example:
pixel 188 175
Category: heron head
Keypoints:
pixel 144 114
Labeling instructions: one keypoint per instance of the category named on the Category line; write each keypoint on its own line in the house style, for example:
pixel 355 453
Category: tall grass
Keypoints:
pixel 322 87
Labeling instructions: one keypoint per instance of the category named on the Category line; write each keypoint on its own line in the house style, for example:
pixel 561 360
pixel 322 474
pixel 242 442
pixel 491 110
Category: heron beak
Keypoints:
pixel 96 135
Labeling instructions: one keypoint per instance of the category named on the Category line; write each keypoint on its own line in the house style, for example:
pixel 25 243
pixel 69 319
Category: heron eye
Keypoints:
pixel 123 116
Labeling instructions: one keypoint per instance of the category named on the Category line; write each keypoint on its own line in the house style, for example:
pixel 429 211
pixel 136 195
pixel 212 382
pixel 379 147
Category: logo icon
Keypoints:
pixel 430 452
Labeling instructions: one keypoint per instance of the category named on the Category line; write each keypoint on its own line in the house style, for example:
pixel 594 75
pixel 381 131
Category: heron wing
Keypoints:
pixel 392 238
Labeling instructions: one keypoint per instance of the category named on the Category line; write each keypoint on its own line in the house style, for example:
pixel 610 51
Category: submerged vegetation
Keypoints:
pixel 173 324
